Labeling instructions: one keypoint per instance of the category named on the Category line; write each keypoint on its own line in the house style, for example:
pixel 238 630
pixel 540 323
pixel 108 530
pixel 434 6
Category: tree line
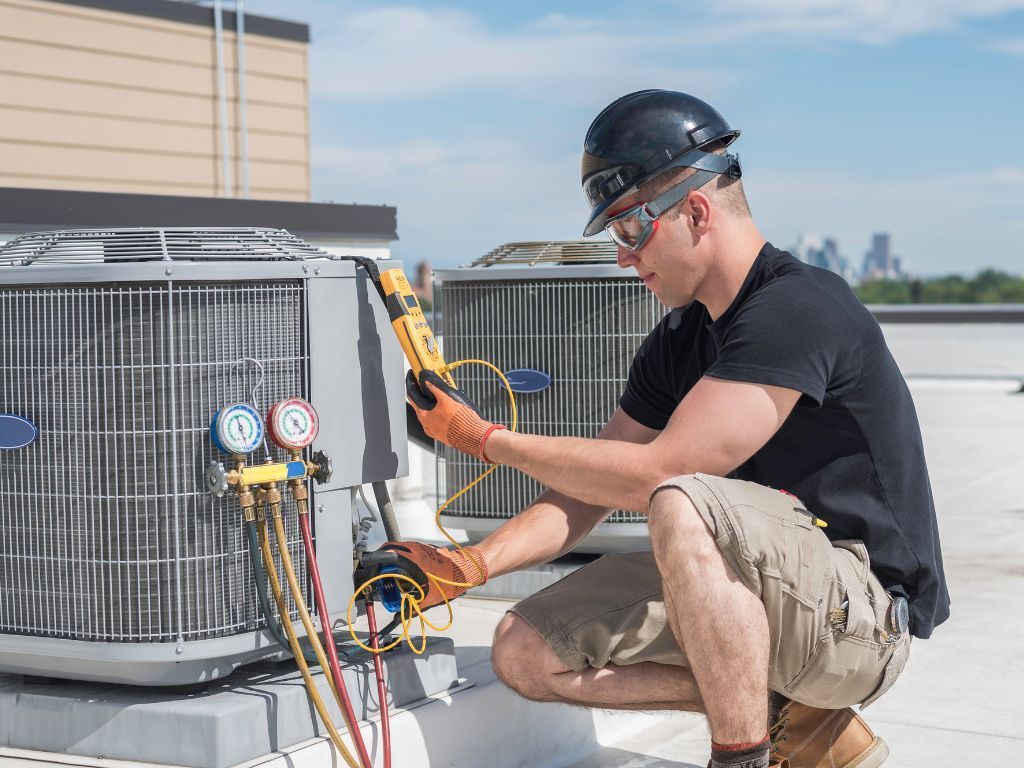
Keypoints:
pixel 990 286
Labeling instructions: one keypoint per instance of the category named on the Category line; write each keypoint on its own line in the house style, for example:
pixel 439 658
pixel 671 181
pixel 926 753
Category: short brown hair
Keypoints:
pixel 724 189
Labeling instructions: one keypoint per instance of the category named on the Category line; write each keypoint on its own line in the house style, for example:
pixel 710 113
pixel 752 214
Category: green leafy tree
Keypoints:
pixel 884 292
pixel 990 286
pixel 952 289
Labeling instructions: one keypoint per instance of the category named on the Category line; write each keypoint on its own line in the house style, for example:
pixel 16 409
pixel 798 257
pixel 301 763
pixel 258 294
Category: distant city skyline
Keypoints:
pixel 877 262
pixel 856 118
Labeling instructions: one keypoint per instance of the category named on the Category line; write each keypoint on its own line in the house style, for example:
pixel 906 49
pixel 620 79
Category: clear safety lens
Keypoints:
pixel 631 228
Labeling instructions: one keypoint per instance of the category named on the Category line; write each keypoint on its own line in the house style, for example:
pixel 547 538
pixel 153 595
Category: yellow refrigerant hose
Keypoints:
pixel 293 641
pixel 300 603
pixel 282 607
pixel 413 595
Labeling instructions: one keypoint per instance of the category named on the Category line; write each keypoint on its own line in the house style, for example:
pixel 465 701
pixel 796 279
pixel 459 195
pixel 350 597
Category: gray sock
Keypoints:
pixel 752 756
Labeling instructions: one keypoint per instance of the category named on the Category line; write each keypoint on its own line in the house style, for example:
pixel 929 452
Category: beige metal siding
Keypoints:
pixel 104 101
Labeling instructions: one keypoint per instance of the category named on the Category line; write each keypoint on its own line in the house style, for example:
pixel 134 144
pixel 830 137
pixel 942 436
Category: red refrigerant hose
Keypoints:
pixel 382 689
pixel 332 651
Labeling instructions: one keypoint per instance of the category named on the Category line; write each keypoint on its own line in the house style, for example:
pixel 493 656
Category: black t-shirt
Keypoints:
pixel 851 449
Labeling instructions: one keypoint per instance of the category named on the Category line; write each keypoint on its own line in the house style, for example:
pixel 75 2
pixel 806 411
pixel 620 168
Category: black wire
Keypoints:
pixel 383 635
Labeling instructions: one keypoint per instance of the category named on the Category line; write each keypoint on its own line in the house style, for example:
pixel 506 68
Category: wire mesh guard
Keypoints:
pixel 107 532
pixel 167 244
pixel 583 333
pixel 595 251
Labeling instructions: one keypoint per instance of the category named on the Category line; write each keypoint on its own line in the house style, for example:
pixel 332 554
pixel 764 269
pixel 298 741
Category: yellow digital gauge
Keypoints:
pixel 411 326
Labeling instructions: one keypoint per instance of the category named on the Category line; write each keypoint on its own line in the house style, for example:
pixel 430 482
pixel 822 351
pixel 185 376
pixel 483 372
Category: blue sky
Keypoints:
pixel 904 116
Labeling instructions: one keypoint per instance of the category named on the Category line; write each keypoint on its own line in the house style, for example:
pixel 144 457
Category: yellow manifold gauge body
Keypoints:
pixel 411 326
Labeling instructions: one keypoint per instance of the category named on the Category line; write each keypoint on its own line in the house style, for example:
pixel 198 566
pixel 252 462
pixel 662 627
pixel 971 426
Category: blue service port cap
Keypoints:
pixel 16 432
pixel 388 590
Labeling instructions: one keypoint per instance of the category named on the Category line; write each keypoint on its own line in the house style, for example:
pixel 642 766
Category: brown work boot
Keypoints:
pixel 807 737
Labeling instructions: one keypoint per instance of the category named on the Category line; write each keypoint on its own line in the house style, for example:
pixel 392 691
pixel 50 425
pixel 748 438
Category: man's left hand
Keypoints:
pixel 455 570
pixel 448 415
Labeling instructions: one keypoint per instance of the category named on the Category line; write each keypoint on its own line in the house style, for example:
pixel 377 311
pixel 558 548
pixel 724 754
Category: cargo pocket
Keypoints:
pixel 842 671
pixel 893 668
pixel 848 660
pixel 808 565
pixel 777 538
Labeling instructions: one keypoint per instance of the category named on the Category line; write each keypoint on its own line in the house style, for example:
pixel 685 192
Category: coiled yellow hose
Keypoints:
pixel 412 598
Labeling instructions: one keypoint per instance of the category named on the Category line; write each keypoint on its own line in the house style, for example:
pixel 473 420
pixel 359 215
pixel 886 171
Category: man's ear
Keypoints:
pixel 699 212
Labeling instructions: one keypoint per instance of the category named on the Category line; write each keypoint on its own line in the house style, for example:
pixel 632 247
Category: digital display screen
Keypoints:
pixel 411 301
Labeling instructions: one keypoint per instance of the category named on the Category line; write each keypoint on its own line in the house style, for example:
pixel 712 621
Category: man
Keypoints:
pixel 765 406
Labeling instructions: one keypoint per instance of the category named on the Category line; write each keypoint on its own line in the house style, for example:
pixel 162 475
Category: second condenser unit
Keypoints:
pixel 564 321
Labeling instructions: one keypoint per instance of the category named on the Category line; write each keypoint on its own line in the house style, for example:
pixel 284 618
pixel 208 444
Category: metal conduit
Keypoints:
pixel 225 148
pixel 243 113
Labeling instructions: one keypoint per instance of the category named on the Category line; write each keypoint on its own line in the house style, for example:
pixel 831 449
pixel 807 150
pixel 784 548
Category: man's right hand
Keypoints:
pixel 448 415
pixel 465 567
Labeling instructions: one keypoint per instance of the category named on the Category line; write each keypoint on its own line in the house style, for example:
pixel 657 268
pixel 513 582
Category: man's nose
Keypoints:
pixel 624 257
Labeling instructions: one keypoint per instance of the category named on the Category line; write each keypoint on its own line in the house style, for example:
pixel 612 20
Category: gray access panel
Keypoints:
pixel 259 709
pixel 357 384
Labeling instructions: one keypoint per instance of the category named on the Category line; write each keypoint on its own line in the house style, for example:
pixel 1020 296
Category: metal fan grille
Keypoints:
pixel 108 533
pixel 594 251
pixel 70 246
pixel 583 333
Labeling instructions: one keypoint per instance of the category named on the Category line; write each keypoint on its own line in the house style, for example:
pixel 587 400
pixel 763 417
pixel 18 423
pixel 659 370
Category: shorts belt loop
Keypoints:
pixel 862 562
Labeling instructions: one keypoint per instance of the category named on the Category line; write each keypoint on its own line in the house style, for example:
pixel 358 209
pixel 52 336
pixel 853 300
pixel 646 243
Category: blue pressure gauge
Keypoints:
pixel 237 429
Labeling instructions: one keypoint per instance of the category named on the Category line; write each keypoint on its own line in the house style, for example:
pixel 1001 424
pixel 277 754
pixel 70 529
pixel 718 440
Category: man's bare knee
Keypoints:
pixel 671 509
pixel 522 660
pixel 679 534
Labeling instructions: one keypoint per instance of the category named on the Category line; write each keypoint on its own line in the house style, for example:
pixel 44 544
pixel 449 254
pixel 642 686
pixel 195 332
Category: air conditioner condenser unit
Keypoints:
pixel 566 320
pixel 116 349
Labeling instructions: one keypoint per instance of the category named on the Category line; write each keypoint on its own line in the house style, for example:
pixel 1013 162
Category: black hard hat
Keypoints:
pixel 642 135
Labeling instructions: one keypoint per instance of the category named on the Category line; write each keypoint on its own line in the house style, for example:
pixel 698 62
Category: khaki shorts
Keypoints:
pixel 612 611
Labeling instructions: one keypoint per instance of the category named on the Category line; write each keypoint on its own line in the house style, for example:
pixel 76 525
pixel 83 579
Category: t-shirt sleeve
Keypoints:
pixel 788 335
pixel 649 396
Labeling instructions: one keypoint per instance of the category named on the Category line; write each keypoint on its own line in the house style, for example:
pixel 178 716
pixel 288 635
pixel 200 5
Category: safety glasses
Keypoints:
pixel 633 227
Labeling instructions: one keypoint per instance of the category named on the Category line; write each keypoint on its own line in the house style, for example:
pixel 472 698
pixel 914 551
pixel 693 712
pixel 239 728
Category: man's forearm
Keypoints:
pixel 604 473
pixel 547 529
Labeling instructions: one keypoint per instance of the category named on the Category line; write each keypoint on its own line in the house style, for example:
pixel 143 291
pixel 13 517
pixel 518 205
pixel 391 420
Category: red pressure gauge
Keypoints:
pixel 292 424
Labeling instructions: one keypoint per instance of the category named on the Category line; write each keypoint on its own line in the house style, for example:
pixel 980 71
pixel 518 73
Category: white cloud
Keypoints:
pixel 869 21
pixel 1013 47
pixel 404 52
pixel 456 201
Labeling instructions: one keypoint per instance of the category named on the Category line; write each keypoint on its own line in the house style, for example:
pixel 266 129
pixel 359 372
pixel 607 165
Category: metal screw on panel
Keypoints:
pixel 320 508
pixel 169 271
pixel 316 271
pixel 179 649
pixel 305 268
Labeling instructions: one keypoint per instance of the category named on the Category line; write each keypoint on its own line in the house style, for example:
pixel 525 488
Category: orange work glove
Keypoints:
pixel 448 415
pixel 420 561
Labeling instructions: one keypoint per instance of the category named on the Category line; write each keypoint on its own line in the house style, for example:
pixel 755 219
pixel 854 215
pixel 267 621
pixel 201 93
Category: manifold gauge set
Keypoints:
pixel 238 430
